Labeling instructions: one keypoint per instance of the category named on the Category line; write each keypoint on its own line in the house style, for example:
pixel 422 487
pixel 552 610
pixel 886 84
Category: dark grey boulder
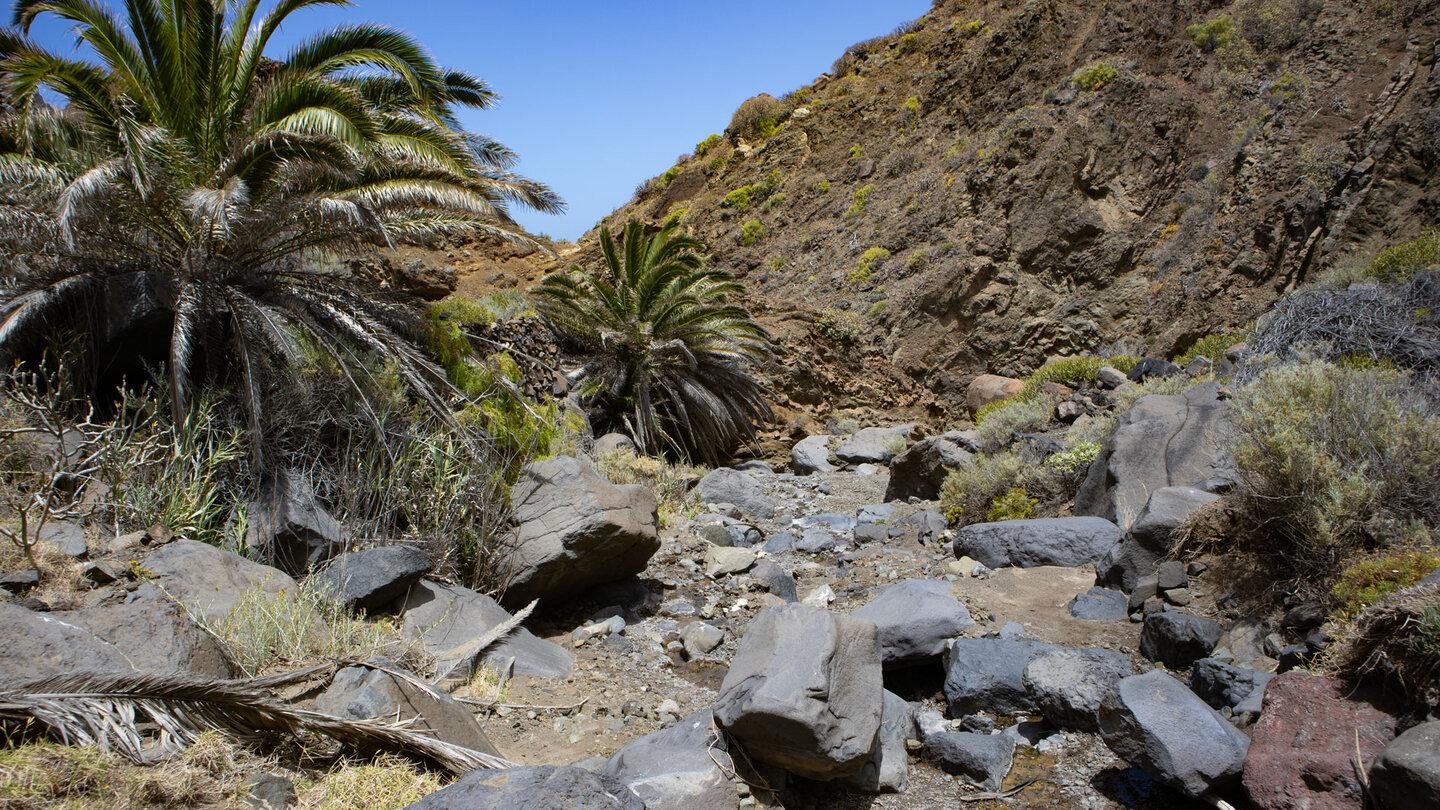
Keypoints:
pixel 1149 540
pixel 988 674
pixel 803 691
pixel 1162 441
pixel 814 541
pixel 575 530
pixel 366 693
pixel 919 471
pixel 874 445
pixel 537 787
pixel 1178 639
pixel 779 542
pixel 684 767
pixel 1170 575
pixel 734 487
pixel 982 759
pixel 811 455
pixel 914 619
pixel 1070 542
pixel 1221 685
pixel 447 619
pixel 1100 605
pixel 211 581
pixel 929 525
pixel 775 579
pixel 156 636
pixel 1068 686
pixel 1154 722
pixel 1152 367
pixel 34 646
pixel 371 579
pixel 289 528
pixel 65 538
pixel 1406 774
pixel 888 770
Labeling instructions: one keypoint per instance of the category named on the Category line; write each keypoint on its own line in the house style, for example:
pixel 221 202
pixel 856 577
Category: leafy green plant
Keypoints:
pixel 1079 457
pixel 912 105
pixel 772 201
pixel 1213 34
pixel 1368 581
pixel 669 176
pixel 972 29
pixel 670 350
pixel 706 145
pixel 1096 76
pixel 739 199
pixel 865 266
pixel 751 232
pixel 1013 505
pixel 822 186
pixel 859 200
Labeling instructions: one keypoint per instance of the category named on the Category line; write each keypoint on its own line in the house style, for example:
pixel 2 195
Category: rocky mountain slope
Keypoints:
pixel 1000 183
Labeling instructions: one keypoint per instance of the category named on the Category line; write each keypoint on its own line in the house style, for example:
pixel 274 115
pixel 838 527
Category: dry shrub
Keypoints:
pixel 969 492
pixel 756 116
pixel 267 631
pixel 1398 641
pixel 671 483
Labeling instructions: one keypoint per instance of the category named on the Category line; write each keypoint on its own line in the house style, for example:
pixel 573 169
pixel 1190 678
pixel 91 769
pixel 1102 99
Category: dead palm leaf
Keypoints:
pixel 109 710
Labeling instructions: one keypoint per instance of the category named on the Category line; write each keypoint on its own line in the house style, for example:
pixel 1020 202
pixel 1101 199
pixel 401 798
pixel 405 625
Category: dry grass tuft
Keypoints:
pixel 387 783
pixel 267 632
pixel 1398 641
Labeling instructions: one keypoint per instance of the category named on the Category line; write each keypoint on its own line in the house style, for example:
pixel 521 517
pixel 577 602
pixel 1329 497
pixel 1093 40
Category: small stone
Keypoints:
pixel 1195 569
pixel 268 791
pixel 723 560
pixel 821 597
pixel 700 638
pixel 1171 575
pixel 1179 596
pixel 668 706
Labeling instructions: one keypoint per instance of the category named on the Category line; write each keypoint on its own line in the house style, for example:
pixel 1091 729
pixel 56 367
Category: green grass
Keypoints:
pixel 1368 581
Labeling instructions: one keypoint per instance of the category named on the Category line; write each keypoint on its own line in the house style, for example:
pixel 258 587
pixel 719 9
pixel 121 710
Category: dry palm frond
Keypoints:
pixel 106 710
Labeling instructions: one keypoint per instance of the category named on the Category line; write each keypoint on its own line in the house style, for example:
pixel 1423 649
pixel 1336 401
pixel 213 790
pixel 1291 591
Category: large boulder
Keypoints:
pixel 1406 775
pixel 370 580
pixel 1154 722
pixel 575 530
pixel 1069 687
pixel 804 691
pixel 34 646
pixel 210 581
pixel 1148 541
pixel 988 674
pixel 919 471
pixel 290 529
pixel 684 767
pixel 1162 441
pixel 1222 685
pixel 1303 747
pixel 156 636
pixel 366 693
pixel 889 767
pixel 726 485
pixel 536 787
pixel 914 619
pixel 874 445
pixel 1069 542
pixel 981 759
pixel 988 388
pixel 1178 639
pixel 448 619
pixel 811 455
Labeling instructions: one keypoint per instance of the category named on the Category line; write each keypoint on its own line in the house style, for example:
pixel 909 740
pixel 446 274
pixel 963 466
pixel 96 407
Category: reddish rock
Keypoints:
pixel 1302 751
pixel 988 388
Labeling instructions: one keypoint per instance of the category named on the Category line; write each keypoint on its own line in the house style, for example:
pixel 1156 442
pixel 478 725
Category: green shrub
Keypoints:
pixel 972 29
pixel 909 42
pixel 1013 505
pixel 855 150
pixel 1400 262
pixel 739 199
pixel 265 631
pixel 840 326
pixel 1079 457
pixel 1368 581
pixel 912 105
pixel 967 492
pixel 867 264
pixel 1212 35
pixel 669 176
pixel 758 116
pixel 1336 460
pixel 715 166
pixel 706 145
pixel 772 201
pixel 822 186
pixel 877 308
pixel 1018 414
pixel 859 200
pixel 1096 76
pixel 1210 347
pixel 751 232
pixel 1289 85
pixel 915 259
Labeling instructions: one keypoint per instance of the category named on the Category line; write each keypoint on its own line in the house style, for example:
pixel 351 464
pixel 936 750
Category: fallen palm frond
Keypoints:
pixel 106 710
pixel 462 659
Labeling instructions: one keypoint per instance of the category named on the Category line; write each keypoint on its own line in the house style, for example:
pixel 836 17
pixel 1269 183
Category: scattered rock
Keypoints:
pixel 365 693
pixel 20 581
pixel 1110 377
pixel 732 486
pixel 269 791
pixel 919 471
pixel 371 579
pixel 982 759
pixel 209 580
pixel 684 767
pixel 1100 605
pixel 1406 775
pixel 819 718
pixel 538 787
pixel 874 445
pixel 811 455
pixel 1070 542
pixel 1222 685
pixel 1068 686
pixel 989 388
pixel 446 619
pixel 914 619
pixel 988 674
pixel 722 561
pixel 1170 575
pixel 776 580
pixel 575 530
pixel 1303 747
pixel 1152 367
pixel 1178 639
pixel 1154 722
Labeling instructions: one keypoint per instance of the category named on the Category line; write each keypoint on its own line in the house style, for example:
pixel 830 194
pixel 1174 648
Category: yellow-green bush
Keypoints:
pixel 1096 76
pixel 840 326
pixel 1211 347
pixel 739 199
pixel 1019 414
pixel 1337 460
pixel 967 492
pixel 751 232
pixel 758 116
pixel 706 145
pixel 1212 35
pixel 859 200
pixel 670 482
pixel 1079 457
pixel 865 267
pixel 1400 262
pixel 1013 505
pixel 1368 581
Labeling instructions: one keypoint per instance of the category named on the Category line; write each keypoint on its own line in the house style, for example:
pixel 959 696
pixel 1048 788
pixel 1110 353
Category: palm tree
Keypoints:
pixel 670 351
pixel 187 154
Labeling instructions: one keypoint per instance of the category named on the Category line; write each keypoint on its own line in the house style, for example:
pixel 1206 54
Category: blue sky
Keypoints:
pixel 599 95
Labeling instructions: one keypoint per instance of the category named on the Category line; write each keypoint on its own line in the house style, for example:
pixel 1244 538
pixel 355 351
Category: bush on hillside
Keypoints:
pixel 757 117
pixel 996 424
pixel 1210 347
pixel 1096 76
pixel 1212 35
pixel 1401 262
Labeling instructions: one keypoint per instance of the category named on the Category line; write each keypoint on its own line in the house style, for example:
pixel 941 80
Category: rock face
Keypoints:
pixel 1148 541
pixel 1303 747
pixel 914 619
pixel 988 388
pixel 540 787
pixel 734 487
pixel 575 530
pixel 1067 542
pixel 680 768
pixel 919 471
pixel 889 767
pixel 156 636
pixel 370 580
pixel 209 580
pixel 1179 639
pixel 1069 687
pixel 1407 773
pixel 804 691
pixel 39 645
pixel 447 618
pixel 290 529
pixel 1156 723
pixel 811 455
pixel 874 445
pixel 363 693
pixel 1191 427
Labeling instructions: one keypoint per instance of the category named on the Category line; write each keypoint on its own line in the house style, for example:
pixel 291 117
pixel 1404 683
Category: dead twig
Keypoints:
pixel 1004 794
pixel 490 704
